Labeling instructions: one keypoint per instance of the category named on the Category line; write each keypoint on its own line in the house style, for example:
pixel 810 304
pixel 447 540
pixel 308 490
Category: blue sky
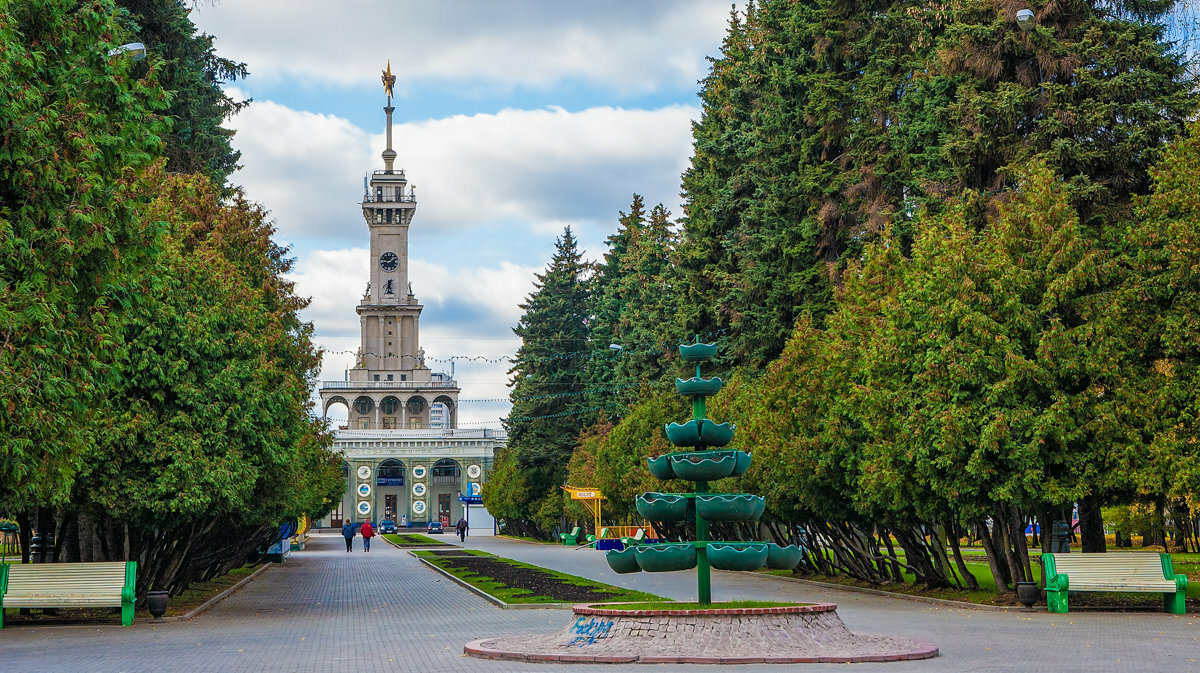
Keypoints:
pixel 513 119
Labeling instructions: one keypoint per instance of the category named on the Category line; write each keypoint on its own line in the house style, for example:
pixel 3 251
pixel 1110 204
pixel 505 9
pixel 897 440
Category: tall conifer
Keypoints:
pixel 544 422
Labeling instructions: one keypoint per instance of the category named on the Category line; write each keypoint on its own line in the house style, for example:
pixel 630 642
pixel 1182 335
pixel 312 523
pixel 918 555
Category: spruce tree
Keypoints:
pixel 632 308
pixel 549 376
pixel 825 122
pixel 186 64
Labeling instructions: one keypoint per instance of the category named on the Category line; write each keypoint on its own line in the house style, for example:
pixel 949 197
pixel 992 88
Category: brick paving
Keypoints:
pixel 326 610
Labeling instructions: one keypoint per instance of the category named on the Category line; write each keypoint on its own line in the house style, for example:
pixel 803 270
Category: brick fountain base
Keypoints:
pixel 781 635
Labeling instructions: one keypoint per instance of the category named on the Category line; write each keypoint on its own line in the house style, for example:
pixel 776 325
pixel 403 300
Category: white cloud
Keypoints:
pixel 624 46
pixel 541 167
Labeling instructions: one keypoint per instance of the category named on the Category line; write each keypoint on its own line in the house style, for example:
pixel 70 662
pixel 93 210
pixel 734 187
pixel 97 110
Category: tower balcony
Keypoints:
pixel 389 198
pixel 389 385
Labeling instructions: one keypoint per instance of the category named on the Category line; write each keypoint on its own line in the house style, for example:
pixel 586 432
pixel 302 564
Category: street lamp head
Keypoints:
pixel 1026 20
pixel 616 347
pixel 134 51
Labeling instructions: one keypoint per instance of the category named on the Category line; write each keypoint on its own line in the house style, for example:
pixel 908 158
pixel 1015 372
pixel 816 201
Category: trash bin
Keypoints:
pixel 1060 538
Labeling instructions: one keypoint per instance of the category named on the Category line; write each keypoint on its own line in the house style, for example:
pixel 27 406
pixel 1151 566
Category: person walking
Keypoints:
pixel 368 532
pixel 348 533
pixel 461 529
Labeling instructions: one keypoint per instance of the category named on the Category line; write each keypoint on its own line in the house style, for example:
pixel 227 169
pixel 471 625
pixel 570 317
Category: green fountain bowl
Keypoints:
pixel 697 387
pixel 655 506
pixel 685 434
pixel 708 465
pixel 701 432
pixel 703 465
pixel 782 558
pixel 737 555
pixel 660 467
pixel 661 558
pixel 729 506
pixel 622 561
pixel 698 352
pixel 715 434
pixel 742 463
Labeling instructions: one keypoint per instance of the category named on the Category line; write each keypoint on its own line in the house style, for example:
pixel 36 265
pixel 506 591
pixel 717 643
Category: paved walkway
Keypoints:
pixel 326 610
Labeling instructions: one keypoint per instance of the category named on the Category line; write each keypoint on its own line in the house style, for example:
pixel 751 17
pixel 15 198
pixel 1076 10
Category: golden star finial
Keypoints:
pixel 389 81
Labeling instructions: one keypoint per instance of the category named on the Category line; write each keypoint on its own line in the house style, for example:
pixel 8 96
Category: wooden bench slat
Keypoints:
pixel 1132 572
pixel 58 585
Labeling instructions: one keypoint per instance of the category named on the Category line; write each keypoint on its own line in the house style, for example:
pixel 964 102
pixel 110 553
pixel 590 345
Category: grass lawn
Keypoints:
pixel 412 539
pixel 528 539
pixel 516 582
pixel 440 553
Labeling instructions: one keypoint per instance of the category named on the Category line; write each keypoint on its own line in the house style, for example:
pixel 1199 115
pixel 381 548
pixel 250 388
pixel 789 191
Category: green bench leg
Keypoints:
pixel 1175 603
pixel 126 613
pixel 1056 601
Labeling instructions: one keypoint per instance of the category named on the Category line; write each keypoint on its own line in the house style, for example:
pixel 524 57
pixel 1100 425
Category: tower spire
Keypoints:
pixel 389 82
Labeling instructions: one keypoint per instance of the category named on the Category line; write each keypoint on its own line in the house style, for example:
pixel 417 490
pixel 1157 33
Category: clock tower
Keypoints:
pixel 390 386
pixel 406 459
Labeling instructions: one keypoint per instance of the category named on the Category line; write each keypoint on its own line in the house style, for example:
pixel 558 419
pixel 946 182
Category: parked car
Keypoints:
pixel 387 526
pixel 434 527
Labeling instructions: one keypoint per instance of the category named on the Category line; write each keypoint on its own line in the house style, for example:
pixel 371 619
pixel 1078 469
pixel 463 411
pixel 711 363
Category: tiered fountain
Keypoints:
pixel 706 463
pixel 783 633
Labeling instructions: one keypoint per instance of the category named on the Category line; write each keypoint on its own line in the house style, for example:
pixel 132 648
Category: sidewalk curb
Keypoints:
pixel 206 605
pixel 496 601
pixel 908 597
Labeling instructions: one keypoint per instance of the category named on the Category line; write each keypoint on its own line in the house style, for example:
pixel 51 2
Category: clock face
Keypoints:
pixel 388 261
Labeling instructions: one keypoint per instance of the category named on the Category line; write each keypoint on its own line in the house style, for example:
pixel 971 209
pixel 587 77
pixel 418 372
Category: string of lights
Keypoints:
pixel 653 348
pixel 598 389
pixel 522 419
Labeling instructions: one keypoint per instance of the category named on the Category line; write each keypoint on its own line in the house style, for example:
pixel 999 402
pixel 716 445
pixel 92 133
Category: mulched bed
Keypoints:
pixel 536 581
pixel 450 552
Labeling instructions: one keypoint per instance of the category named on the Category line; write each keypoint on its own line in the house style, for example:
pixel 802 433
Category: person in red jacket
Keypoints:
pixel 368 532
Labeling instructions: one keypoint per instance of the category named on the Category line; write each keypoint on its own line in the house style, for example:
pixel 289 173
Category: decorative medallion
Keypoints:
pixel 364 472
pixel 418 506
pixel 364 507
pixel 419 472
pixel 364 490
pixel 473 471
pixel 418 490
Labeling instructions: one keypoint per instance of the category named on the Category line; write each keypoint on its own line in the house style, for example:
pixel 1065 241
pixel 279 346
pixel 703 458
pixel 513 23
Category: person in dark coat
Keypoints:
pixel 461 529
pixel 368 532
pixel 348 533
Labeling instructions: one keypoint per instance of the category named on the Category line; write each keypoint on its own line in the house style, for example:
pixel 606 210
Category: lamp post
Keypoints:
pixel 1026 20
pixel 135 51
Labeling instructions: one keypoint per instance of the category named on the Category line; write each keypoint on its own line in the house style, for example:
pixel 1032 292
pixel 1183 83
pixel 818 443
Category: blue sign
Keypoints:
pixel 471 499
pixel 391 481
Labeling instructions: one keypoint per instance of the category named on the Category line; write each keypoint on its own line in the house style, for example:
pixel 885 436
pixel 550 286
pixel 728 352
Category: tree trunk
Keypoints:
pixel 24 535
pixel 999 574
pixel 1091 525
pixel 1020 543
pixel 967 575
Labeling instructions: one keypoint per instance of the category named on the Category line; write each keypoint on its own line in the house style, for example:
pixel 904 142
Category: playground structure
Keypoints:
pixel 605 536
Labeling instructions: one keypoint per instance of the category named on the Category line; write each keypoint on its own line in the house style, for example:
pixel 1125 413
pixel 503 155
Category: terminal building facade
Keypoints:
pixel 405 458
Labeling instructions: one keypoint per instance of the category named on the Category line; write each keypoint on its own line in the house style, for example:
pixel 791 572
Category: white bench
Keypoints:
pixel 69 585
pixel 1136 572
